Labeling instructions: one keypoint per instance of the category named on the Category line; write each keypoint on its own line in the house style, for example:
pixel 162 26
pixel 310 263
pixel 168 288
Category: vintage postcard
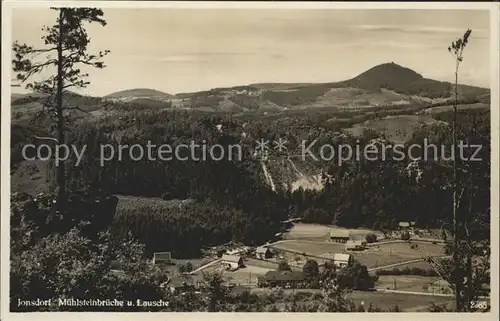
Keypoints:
pixel 249 157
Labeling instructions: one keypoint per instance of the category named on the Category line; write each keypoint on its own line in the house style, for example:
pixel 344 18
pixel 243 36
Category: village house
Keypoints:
pixel 406 225
pixel 263 252
pixel 286 279
pixel 162 258
pixel 340 260
pixel 232 262
pixel 339 236
pixel 355 245
pixel 183 283
pixel 179 284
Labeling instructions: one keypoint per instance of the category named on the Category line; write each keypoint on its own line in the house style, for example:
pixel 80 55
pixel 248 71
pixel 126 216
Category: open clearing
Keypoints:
pixel 396 128
pixel 246 276
pixel 441 109
pixel 302 231
pixel 383 300
pixel 410 302
pixel 374 256
pixel 411 283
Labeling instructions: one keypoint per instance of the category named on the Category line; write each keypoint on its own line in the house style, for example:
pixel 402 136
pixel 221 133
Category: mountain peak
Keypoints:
pixel 391 70
pixel 386 75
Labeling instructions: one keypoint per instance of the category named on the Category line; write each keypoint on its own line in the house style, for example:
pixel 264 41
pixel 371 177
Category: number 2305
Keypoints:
pixel 479 305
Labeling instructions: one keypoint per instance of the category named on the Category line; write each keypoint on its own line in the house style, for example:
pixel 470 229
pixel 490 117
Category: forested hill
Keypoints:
pixel 387 84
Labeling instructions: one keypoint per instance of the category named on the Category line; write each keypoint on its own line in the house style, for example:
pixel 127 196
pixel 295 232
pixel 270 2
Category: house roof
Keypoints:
pixel 231 258
pixel 404 224
pixel 339 233
pixel 284 276
pixel 262 249
pixel 341 257
pixel 180 281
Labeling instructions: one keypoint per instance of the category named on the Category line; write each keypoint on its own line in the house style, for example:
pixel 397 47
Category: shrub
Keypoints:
pixel 408 271
pixel 371 238
pixel 283 266
pixel 405 236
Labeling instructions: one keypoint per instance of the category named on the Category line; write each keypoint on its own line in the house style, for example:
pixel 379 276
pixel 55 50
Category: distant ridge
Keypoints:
pixel 138 93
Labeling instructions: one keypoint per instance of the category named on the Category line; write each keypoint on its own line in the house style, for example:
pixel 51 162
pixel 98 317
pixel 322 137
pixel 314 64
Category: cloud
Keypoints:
pixel 415 29
pixel 185 57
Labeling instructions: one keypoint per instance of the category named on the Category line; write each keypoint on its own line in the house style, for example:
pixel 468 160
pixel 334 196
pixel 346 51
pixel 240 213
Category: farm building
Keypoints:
pixel 283 279
pixel 355 246
pixel 179 284
pixel 162 258
pixel 263 252
pixel 232 262
pixel 404 225
pixel 340 260
pixel 339 236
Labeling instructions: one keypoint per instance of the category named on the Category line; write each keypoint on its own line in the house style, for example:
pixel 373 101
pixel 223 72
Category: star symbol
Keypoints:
pixel 262 145
pixel 280 144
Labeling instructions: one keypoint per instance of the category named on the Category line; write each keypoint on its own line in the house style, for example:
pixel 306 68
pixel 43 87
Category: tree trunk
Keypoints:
pixel 455 219
pixel 61 172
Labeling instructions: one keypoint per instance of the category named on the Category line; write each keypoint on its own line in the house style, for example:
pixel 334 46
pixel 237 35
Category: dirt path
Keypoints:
pixel 205 266
pixel 268 176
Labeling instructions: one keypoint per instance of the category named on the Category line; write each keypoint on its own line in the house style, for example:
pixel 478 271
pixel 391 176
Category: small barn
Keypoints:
pixel 161 258
pixel 404 225
pixel 339 236
pixel 355 246
pixel 263 252
pixel 342 260
pixel 232 262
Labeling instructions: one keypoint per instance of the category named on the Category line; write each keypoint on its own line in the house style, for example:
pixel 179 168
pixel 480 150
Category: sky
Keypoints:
pixel 187 50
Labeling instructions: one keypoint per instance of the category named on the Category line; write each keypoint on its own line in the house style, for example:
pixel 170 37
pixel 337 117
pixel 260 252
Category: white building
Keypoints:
pixel 263 252
pixel 232 262
pixel 342 260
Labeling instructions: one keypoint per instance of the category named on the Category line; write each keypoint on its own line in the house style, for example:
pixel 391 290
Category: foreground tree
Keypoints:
pixel 66 50
pixel 73 265
pixel 464 246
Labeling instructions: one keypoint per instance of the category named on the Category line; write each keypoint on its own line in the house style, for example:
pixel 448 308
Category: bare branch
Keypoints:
pixel 76 108
pixel 46 138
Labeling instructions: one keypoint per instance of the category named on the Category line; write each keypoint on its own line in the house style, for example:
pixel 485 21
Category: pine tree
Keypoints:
pixel 66 50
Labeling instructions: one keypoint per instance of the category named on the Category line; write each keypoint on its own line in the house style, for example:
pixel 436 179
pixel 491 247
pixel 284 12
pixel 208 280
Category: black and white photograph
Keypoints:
pixel 259 157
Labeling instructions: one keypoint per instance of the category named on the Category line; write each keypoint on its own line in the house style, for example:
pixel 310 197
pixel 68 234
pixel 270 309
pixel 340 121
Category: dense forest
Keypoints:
pixel 233 197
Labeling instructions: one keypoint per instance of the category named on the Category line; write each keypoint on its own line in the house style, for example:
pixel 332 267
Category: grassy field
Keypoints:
pixel 406 302
pixel 440 109
pixel 302 231
pixel 310 247
pixel 411 283
pixel 396 128
pixel 247 275
pixel 31 177
pixel 372 257
pixel 421 265
pixel 382 300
